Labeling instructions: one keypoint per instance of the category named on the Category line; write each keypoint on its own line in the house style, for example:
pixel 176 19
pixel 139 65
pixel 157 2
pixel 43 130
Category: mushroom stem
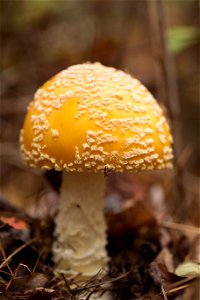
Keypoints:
pixel 80 225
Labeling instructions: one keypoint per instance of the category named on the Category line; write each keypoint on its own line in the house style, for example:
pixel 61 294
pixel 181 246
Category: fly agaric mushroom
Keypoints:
pixel 87 119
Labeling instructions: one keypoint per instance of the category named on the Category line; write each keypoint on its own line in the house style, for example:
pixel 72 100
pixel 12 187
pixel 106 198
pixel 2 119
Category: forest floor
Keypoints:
pixel 151 256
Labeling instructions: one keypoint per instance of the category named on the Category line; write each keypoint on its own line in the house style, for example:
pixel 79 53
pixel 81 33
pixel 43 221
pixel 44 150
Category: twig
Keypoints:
pixel 12 277
pixel 4 256
pixel 7 260
pixel 167 84
pixel 164 293
pixel 104 281
pixel 37 261
pixel 165 69
pixel 69 291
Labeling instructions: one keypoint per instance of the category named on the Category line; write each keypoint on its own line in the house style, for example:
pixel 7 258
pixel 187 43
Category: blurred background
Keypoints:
pixel 158 46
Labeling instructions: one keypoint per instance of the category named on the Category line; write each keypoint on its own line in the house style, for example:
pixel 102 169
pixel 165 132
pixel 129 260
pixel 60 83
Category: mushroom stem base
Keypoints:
pixel 80 231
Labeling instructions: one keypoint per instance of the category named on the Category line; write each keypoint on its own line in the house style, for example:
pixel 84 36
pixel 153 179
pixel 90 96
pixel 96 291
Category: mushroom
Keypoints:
pixel 86 120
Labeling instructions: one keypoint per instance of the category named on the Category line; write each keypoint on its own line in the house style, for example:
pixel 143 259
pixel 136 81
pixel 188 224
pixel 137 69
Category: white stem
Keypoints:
pixel 80 225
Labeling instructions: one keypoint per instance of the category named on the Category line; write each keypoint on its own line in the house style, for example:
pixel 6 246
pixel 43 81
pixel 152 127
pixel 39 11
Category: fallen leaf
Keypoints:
pixel 187 269
pixel 40 293
pixel 14 222
pixel 133 215
pixel 30 281
pixel 165 258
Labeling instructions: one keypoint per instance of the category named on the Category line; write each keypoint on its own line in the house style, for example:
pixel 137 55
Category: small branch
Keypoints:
pixel 165 68
pixel 167 84
pixel 7 260
pixel 163 293
pixel 4 256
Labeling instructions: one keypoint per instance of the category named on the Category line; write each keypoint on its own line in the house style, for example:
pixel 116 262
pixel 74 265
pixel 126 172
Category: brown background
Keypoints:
pixel 40 38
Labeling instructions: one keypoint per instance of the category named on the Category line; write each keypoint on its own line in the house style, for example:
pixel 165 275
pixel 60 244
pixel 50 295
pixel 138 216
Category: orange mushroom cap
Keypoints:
pixel 89 117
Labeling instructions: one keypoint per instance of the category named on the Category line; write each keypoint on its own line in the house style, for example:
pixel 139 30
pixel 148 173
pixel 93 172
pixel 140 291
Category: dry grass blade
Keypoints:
pixel 181 227
pixel 175 290
pixel 180 285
